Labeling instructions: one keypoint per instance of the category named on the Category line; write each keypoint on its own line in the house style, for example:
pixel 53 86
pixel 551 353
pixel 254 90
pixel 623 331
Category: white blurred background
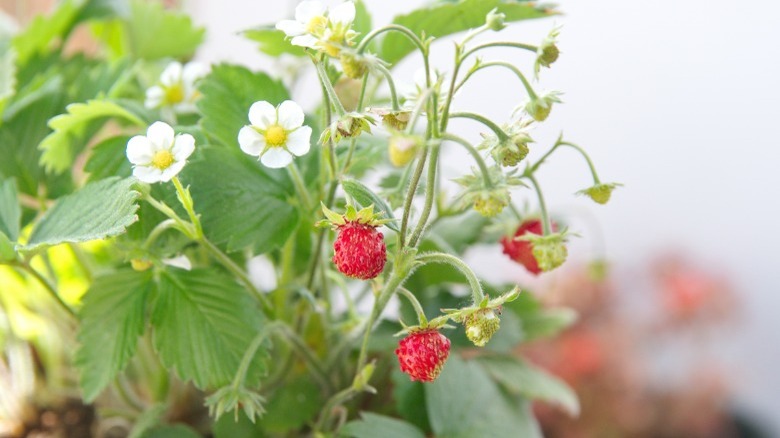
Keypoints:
pixel 679 101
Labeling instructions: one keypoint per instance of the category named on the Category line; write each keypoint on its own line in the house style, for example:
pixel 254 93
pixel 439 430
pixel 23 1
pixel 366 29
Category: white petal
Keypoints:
pixel 305 41
pixel 307 10
pixel 179 262
pixel 172 171
pixel 147 174
pixel 289 115
pixel 343 13
pixel 161 135
pixel 183 147
pixel 172 74
pixel 299 141
pixel 262 114
pixel 251 141
pixel 154 97
pixel 192 72
pixel 291 27
pixel 139 150
pixel 276 158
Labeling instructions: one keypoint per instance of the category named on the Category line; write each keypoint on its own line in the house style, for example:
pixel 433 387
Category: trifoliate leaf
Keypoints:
pixel 112 319
pixel 203 323
pixel 59 148
pixel 228 92
pixel 100 209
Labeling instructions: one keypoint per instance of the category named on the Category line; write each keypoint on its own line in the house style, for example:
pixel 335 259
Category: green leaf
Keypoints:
pixel 7 74
pixel 43 31
pixel 7 249
pixel 537 321
pixel 522 378
pixel 459 232
pixel 448 18
pixel 151 32
pixel 362 23
pixel 292 406
pixel 379 426
pixel 409 396
pixel 10 212
pixel 59 148
pixel 108 158
pixel 244 205
pixel 273 42
pixel 203 323
pixel 100 209
pixel 366 197
pixel 113 317
pixel 465 402
pixel 228 92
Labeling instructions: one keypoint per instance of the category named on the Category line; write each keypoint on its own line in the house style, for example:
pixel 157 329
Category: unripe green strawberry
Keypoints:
pixel 422 354
pixel 481 326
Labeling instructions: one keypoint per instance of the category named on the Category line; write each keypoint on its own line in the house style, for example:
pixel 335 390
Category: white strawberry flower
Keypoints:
pixel 160 154
pixel 176 87
pixel 317 29
pixel 275 134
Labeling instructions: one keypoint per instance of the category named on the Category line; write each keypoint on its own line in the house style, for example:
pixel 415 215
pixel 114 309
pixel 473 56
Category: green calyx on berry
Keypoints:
pixel 539 107
pixel 600 193
pixel 365 216
pixel 487 199
pixel 350 125
pixel 549 251
pixel 482 320
pixel 547 52
pixel 495 20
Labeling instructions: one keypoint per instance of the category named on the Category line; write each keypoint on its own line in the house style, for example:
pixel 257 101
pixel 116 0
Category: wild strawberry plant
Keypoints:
pixel 192 178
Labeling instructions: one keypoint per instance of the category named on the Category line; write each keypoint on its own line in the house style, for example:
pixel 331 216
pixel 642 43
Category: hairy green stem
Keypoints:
pixel 542 206
pixel 300 186
pixel 328 87
pixel 474 153
pixel 391 84
pixel 502 136
pixel 421 319
pixel 479 47
pixel 392 27
pixel 49 288
pixel 430 193
pixel 437 257
pixel 410 196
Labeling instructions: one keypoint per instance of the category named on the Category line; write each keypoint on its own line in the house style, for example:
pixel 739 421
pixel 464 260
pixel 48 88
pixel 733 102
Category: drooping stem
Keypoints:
pixel 157 231
pixel 234 269
pixel 437 257
pixel 587 159
pixel 430 193
pixel 392 27
pixel 391 84
pixel 502 136
pixel 328 87
pixel 300 186
pixel 512 68
pixel 546 227
pixel 49 288
pixel 421 319
pixel 479 47
pixel 474 153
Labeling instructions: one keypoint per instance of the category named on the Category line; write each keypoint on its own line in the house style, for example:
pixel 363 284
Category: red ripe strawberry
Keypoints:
pixel 422 354
pixel 359 250
pixel 521 251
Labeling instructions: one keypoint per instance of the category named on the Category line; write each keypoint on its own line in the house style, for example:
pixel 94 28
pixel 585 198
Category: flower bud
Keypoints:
pixel 402 149
pixel 481 326
pixel 140 264
pixel 599 193
pixel 495 20
pixel 354 66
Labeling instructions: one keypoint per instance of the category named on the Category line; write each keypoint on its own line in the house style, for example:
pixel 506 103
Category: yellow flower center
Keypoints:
pixel 317 25
pixel 162 160
pixel 275 136
pixel 174 94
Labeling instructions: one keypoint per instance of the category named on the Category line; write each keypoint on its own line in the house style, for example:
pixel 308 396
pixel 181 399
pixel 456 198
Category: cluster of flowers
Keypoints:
pixel 277 134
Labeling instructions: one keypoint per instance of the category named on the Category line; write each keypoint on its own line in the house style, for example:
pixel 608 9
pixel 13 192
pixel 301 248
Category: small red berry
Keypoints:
pixel 521 251
pixel 359 250
pixel 422 354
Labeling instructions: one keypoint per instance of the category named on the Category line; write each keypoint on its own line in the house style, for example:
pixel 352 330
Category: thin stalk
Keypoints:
pixel 421 319
pixel 410 196
pixel 300 186
pixel 587 159
pixel 474 153
pixel 542 206
pixel 430 193
pixel 234 269
pixel 512 68
pixel 49 288
pixel 391 84
pixel 157 231
pixel 328 87
pixel 392 27
pixel 498 44
pixel 502 136
pixel 437 257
